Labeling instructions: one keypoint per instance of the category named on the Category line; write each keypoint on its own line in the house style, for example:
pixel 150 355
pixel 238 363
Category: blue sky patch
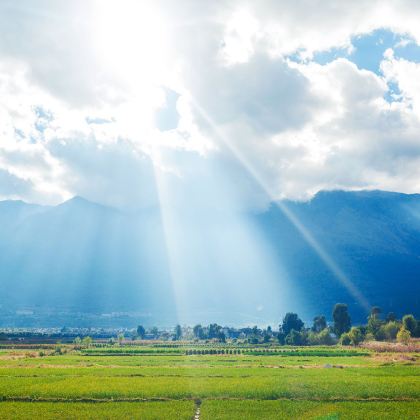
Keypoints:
pixel 393 93
pixel 369 49
pixel 44 117
pixel 167 117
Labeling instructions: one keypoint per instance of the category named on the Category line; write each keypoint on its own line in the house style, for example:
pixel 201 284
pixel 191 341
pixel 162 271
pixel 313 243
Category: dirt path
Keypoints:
pixel 197 410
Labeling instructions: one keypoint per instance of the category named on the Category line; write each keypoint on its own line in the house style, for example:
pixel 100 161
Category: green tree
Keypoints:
pixel 222 337
pixel 410 324
pixel 141 332
pixel 294 338
pixel 291 321
pixel 320 323
pixel 355 335
pixel 120 338
pixel 178 332
pixel 267 334
pixel 214 330
pixel 281 338
pixel 373 326
pixel 341 318
pixel 374 323
pixel 198 331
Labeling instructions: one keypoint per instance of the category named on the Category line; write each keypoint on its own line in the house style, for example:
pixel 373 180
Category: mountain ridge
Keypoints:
pixel 87 257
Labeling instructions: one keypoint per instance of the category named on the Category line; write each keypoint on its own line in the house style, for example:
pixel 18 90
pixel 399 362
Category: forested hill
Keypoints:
pixel 372 236
pixel 86 257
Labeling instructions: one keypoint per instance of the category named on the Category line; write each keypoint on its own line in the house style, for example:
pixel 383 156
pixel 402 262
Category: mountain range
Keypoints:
pixel 84 262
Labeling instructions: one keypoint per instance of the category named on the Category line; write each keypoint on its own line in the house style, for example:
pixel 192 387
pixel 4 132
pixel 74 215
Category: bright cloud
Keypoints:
pixel 83 83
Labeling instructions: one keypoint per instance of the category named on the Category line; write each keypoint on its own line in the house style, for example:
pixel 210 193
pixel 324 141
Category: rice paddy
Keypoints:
pixel 157 382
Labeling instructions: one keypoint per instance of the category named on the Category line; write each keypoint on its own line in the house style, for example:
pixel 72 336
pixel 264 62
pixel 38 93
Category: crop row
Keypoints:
pixel 277 410
pixel 12 410
pixel 121 351
pixel 349 383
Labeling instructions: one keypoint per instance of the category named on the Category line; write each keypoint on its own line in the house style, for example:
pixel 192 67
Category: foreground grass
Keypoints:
pixel 396 382
pixel 143 410
pixel 296 384
pixel 274 410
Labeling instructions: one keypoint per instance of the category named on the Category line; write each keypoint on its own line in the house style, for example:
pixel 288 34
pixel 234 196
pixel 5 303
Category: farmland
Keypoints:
pixel 220 382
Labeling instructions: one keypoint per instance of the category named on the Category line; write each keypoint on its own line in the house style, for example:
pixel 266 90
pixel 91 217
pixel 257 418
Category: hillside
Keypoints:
pixel 81 257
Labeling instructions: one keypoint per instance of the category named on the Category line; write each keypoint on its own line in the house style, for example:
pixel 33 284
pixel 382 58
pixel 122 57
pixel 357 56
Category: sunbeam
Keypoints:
pixel 309 238
pixel 219 261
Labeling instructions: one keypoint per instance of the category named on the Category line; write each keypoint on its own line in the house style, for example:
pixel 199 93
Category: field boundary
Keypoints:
pixel 197 401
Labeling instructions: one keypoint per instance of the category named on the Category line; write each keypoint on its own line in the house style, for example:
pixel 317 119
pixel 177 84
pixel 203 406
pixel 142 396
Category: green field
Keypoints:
pixel 153 383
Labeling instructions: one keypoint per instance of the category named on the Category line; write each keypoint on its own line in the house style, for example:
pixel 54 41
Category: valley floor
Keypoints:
pixel 170 383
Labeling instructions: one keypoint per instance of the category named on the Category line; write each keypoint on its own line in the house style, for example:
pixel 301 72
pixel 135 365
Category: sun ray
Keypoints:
pixel 306 234
pixel 170 247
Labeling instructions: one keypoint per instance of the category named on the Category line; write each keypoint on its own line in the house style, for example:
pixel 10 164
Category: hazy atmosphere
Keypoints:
pixel 194 119
pixel 182 180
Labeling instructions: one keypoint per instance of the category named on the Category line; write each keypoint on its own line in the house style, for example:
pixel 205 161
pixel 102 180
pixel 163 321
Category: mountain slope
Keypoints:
pixel 372 236
pixel 84 257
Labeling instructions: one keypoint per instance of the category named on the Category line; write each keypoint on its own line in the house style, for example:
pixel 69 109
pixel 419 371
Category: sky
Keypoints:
pixel 221 105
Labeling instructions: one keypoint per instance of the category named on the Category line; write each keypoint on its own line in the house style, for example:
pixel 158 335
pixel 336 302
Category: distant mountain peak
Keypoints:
pixel 361 194
pixel 79 201
pixel 17 203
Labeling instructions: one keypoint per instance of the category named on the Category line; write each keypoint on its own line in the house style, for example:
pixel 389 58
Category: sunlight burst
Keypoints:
pixel 130 37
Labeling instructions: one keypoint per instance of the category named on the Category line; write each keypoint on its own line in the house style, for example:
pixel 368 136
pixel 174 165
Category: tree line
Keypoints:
pixel 292 330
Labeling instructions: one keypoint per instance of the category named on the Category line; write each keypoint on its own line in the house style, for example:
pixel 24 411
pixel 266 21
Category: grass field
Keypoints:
pixel 148 383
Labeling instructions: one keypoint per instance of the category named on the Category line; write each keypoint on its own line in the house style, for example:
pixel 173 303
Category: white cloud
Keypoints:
pixel 284 28
pixel 406 75
pixel 13 187
pixel 263 93
pixel 72 124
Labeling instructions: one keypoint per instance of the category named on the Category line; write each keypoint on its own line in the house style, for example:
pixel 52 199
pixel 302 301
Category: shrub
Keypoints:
pixel 58 350
pixel 409 324
pixel 345 339
pixel 403 336
pixel 87 341
pixel 313 339
pixel 391 329
pixel 355 336
pixel 294 338
pixel 369 337
pixel 325 338
pixel 381 334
